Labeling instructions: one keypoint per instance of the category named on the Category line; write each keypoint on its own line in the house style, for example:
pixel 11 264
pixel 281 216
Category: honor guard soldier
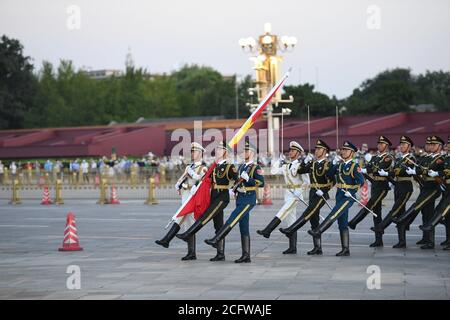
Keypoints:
pixel 442 211
pixel 403 189
pixel 377 172
pixel 348 180
pixel 192 174
pixel 294 183
pixel 250 179
pixel 429 192
pixel 223 177
pixel 320 185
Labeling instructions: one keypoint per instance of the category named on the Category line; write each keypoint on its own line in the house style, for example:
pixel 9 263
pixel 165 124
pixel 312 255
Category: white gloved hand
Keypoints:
pixel 244 175
pixel 411 171
pixel 364 170
pixel 193 189
pixel 347 194
pixel 308 158
pixel 241 190
pixel 383 173
pixel 432 173
pixel 367 157
pixel 336 160
pixel 319 192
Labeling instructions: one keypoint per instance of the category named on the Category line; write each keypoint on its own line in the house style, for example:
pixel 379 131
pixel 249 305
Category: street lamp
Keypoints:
pixel 264 55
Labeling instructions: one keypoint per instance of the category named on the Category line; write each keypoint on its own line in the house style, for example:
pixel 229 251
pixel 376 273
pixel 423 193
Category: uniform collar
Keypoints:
pixel 248 163
pixel 222 161
pixel 382 154
pixel 321 160
pixel 198 163
pixel 348 161
pixel 405 155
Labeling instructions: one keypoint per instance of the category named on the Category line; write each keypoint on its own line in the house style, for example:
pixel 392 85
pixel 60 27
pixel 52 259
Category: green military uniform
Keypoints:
pixel 429 192
pixel 403 189
pixel 442 211
pixel 378 164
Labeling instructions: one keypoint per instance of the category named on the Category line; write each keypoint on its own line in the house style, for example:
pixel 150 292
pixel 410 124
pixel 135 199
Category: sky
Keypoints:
pixel 340 43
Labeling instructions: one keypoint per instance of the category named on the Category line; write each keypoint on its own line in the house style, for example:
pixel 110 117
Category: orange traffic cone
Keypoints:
pixel 364 194
pixel 266 196
pixel 46 198
pixel 71 241
pixel 113 199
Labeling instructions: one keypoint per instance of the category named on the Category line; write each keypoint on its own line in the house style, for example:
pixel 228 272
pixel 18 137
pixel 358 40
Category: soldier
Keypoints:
pixel 222 176
pixel 443 208
pixel 428 193
pixel 380 186
pixel 250 180
pixel 292 196
pixel 192 174
pixel 318 193
pixel 349 179
pixel 403 188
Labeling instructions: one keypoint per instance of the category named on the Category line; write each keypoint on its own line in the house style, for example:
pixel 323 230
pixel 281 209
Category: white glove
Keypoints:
pixel 319 192
pixel 411 171
pixel 336 160
pixel 193 189
pixel 347 194
pixel 383 173
pixel 364 170
pixel 241 190
pixel 308 158
pixel 432 173
pixel 244 175
pixel 368 157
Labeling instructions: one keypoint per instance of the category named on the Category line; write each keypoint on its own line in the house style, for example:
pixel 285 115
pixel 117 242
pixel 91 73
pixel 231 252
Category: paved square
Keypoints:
pixel 121 261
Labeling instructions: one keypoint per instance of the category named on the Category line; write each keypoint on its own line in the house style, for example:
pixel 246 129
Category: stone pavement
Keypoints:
pixel 121 261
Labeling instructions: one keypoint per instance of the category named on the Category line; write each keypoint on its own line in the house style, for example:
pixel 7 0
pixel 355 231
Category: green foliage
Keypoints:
pixel 62 96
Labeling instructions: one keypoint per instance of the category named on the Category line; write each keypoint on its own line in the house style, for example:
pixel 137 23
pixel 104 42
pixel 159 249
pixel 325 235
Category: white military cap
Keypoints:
pixel 197 146
pixel 296 146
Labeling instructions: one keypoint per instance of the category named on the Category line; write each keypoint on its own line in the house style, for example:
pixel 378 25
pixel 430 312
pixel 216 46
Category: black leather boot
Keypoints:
pixel 169 236
pixel 292 244
pixel 345 243
pixel 401 229
pixel 431 224
pixel 191 249
pixel 191 231
pixel 220 256
pixel 321 228
pixel 269 228
pixel 293 227
pixel 358 218
pixel 245 258
pixel 317 250
pixel 378 240
pixel 429 244
pixel 219 236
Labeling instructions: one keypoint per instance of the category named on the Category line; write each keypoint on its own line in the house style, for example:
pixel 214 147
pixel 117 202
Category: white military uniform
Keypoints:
pixel 295 184
pixel 199 169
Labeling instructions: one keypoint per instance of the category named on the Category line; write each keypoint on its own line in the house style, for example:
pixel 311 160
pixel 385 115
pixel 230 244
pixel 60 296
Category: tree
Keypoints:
pixel 17 84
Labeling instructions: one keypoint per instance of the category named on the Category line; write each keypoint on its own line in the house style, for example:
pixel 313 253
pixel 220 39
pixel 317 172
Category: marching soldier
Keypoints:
pixel 349 179
pixel 378 167
pixel 403 188
pixel 292 196
pixel 192 174
pixel 318 193
pixel 442 211
pixel 428 193
pixel 251 179
pixel 222 176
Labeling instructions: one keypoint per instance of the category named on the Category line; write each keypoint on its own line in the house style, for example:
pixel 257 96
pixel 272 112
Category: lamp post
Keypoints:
pixel 264 54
